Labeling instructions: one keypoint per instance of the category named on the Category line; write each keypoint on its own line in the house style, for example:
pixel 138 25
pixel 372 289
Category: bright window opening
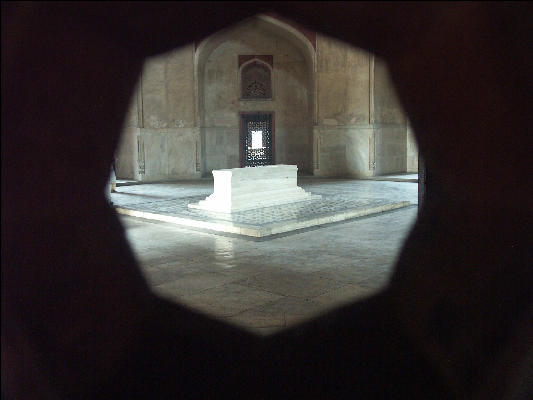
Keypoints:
pixel 257 139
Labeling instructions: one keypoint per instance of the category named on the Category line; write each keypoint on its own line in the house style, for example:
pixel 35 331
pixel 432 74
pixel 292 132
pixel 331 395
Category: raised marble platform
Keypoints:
pixel 341 200
pixel 250 188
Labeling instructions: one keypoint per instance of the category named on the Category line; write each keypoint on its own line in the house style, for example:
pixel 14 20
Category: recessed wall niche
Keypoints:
pixel 256 77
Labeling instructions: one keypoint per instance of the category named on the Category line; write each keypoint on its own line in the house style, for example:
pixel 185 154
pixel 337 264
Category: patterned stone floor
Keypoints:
pixel 341 200
pixel 266 286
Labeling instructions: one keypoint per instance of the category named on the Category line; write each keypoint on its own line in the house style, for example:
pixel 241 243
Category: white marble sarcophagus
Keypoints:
pixel 240 189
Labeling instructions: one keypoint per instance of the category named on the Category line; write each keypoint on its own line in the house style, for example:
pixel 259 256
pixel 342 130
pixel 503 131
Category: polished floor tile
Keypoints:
pixel 265 286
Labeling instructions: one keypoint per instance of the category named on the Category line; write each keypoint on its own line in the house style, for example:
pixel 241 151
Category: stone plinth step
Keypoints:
pixel 265 222
pixel 241 189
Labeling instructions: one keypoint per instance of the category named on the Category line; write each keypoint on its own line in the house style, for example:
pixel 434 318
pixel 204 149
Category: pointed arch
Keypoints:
pixel 269 24
pixel 293 35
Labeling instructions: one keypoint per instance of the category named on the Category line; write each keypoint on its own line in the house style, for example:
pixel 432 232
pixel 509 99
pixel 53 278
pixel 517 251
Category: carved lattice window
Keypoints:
pixel 257 140
pixel 256 81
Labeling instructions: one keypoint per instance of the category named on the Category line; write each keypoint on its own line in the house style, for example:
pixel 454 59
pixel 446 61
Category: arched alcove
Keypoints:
pixel 220 99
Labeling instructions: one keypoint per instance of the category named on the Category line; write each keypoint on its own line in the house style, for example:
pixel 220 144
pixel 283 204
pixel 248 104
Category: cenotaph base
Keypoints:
pixel 241 189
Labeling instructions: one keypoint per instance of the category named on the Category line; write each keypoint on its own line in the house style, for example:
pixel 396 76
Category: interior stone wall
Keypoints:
pixel 343 83
pixel 390 124
pixel 221 102
pixel 390 148
pixel 412 151
pixel 165 132
pixel 336 112
pixel 126 163
pixel 344 151
pixel 343 136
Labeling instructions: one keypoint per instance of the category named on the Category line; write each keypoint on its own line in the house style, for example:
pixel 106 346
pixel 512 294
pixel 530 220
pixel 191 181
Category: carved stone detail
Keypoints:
pixel 256 81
